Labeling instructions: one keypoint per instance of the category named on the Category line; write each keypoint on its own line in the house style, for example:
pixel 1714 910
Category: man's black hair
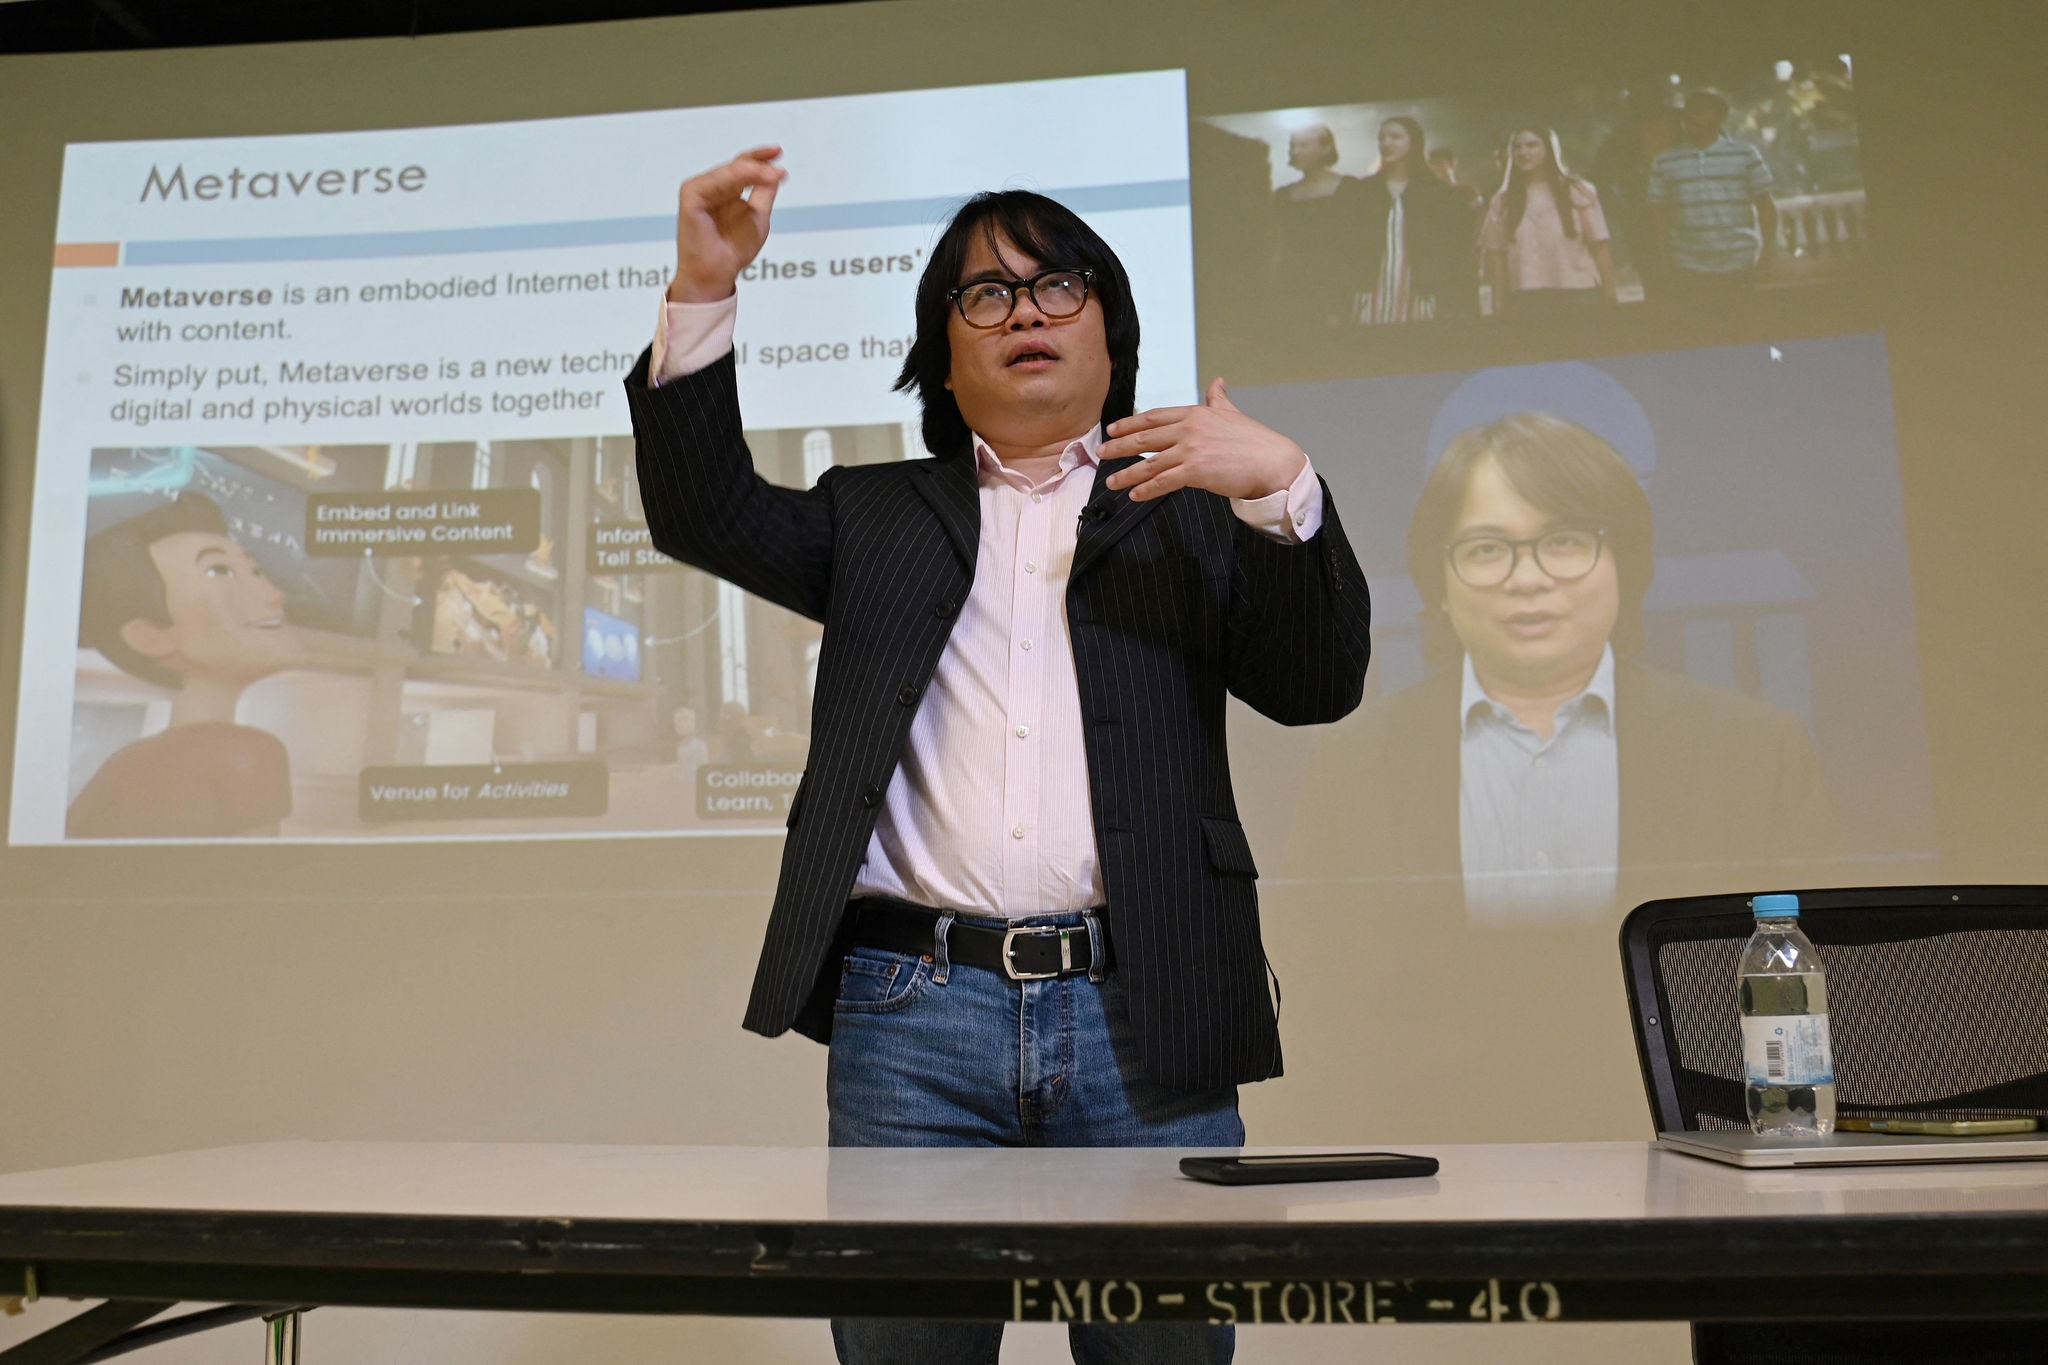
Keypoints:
pixel 1055 236
pixel 122 583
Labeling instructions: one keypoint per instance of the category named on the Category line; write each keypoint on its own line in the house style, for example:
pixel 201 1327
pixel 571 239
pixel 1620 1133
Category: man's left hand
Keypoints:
pixel 1212 446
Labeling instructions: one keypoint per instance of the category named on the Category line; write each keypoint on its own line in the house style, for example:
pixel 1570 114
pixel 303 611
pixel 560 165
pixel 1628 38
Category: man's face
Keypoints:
pixel 227 619
pixel 1033 380
pixel 1702 120
pixel 1532 632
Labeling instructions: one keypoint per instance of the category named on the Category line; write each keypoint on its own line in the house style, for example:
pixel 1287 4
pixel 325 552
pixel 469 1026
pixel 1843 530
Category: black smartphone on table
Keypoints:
pixel 1292 1167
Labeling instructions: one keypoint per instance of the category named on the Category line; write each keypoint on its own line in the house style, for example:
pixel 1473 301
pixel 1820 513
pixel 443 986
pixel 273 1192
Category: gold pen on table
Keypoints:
pixel 1940 1127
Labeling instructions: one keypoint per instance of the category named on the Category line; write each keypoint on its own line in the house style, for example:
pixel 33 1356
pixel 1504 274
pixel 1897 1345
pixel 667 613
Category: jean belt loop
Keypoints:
pixel 1095 954
pixel 942 957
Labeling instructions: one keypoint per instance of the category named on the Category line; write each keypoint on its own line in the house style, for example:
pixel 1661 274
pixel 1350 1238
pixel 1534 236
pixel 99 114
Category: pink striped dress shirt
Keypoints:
pixel 989 811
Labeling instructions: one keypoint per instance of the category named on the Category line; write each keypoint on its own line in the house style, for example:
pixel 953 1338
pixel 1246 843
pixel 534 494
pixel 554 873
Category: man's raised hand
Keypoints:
pixel 721 222
pixel 1213 446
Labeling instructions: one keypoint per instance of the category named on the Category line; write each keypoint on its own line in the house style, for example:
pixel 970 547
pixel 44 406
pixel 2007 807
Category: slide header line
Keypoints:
pixel 1149 194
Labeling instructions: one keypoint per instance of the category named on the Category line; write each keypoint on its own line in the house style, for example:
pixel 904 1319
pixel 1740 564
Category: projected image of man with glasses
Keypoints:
pixel 1532 541
pixel 1541 761
pixel 1532 559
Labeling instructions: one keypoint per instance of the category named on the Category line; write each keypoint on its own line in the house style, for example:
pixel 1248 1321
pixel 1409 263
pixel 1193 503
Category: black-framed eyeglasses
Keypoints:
pixel 1055 293
pixel 1565 554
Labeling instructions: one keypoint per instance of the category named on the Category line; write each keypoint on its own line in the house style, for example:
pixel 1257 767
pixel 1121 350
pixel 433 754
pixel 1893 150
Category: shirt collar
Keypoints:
pixel 1081 450
pixel 1472 697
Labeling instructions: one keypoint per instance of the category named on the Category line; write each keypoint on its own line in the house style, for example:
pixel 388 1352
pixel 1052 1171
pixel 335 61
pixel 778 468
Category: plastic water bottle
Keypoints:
pixel 1786 1060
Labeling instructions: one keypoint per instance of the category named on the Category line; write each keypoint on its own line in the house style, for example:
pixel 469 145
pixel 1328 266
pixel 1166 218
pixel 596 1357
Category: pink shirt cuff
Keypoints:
pixel 1292 515
pixel 688 337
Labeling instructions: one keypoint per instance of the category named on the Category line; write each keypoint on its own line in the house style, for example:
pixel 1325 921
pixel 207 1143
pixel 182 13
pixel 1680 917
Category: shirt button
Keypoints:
pixel 1024 644
pixel 1017 833
pixel 1301 518
pixel 1542 858
pixel 1030 566
pixel 1038 497
pixel 1023 732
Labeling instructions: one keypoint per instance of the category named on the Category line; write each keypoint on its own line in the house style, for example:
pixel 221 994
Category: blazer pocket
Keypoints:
pixel 1229 851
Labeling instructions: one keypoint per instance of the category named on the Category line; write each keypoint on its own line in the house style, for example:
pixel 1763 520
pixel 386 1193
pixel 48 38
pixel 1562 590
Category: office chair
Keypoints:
pixel 1938 1008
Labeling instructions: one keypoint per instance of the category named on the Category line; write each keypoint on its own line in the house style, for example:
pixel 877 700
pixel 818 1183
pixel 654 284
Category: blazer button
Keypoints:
pixel 872 796
pixel 944 607
pixel 907 697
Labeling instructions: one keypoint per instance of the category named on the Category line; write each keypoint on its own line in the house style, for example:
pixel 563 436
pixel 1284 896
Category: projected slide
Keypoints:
pixel 337 526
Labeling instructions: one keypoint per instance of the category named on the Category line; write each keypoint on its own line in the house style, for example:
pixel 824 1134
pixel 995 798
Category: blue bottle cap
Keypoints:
pixel 1778 906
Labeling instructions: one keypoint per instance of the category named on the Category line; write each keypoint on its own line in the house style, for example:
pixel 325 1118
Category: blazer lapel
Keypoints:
pixel 1109 516
pixel 951 488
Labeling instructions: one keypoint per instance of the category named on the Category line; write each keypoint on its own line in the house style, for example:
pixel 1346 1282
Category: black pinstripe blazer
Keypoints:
pixel 1171 603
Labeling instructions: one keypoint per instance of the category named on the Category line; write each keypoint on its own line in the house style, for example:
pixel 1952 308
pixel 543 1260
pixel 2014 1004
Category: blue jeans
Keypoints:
pixel 929 1054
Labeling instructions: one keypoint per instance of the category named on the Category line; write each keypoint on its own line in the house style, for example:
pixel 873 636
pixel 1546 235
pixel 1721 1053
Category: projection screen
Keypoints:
pixel 329 596
pixel 380 780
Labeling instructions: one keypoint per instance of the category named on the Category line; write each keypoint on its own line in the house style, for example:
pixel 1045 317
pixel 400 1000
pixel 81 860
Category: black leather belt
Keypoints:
pixel 1037 952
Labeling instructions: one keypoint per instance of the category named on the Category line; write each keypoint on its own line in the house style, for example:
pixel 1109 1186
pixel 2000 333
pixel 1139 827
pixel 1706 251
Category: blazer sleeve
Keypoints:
pixel 1300 624
pixel 707 506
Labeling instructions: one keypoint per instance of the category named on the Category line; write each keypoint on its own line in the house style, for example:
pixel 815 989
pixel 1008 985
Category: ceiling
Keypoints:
pixel 116 25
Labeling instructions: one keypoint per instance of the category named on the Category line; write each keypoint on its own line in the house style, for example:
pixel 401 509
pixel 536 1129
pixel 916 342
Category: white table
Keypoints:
pixel 1579 1231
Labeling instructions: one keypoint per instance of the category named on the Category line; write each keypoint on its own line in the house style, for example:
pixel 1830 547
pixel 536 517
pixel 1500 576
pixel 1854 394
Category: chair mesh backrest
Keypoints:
pixel 1949 1025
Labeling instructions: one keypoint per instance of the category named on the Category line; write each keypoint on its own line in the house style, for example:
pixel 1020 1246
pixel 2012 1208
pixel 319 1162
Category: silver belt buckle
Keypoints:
pixel 1066 953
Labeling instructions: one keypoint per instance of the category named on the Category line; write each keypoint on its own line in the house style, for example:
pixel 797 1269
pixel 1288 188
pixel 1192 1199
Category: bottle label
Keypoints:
pixel 1787 1049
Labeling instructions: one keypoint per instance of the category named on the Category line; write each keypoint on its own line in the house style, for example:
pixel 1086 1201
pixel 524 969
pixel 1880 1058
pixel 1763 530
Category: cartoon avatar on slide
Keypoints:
pixel 171 598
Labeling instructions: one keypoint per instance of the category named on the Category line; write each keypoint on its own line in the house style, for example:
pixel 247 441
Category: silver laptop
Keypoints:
pixel 1852 1149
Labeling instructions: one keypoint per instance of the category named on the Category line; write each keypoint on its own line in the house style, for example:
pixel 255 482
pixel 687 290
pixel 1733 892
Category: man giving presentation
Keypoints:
pixel 1015 896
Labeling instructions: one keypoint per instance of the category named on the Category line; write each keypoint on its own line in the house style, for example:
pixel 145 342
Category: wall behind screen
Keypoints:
pixel 183 997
